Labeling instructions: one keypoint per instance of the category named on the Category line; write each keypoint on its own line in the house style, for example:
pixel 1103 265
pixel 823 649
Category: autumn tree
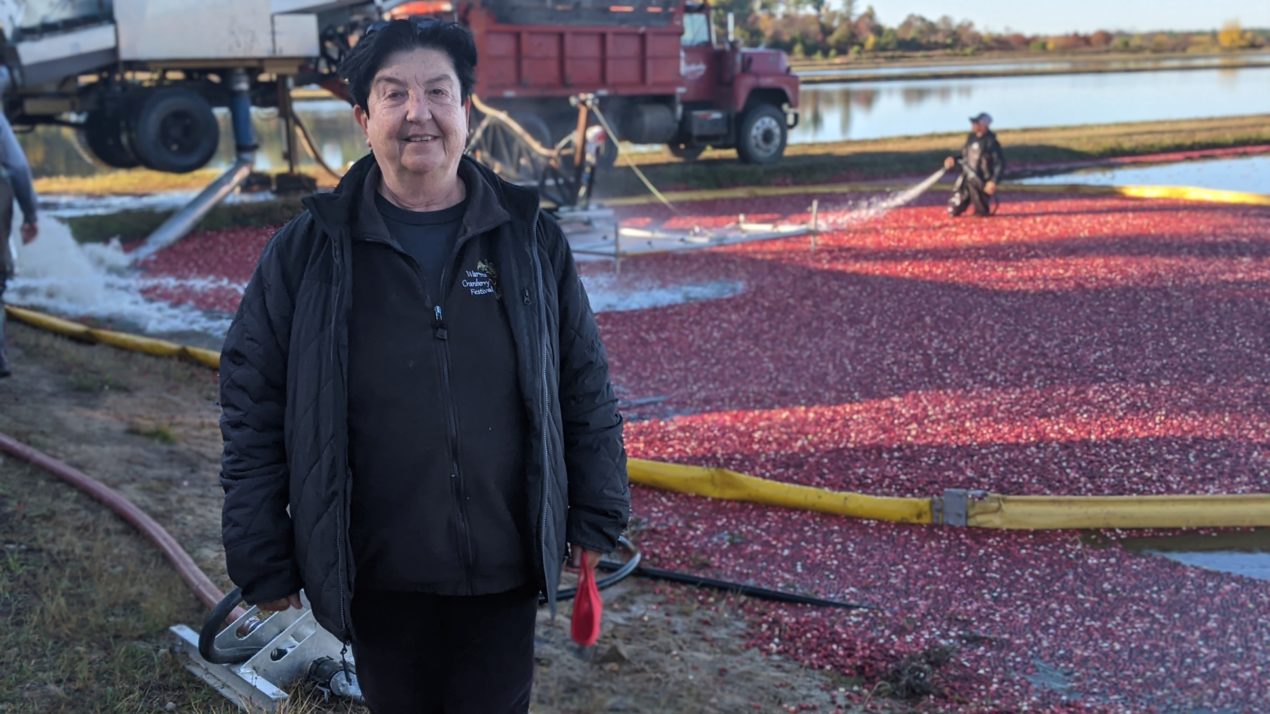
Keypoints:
pixel 1233 37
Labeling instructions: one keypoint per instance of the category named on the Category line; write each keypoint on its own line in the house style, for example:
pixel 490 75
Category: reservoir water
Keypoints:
pixel 1248 173
pixel 873 110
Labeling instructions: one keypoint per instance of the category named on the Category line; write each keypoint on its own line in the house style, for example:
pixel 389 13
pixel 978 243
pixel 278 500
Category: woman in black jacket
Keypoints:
pixel 417 411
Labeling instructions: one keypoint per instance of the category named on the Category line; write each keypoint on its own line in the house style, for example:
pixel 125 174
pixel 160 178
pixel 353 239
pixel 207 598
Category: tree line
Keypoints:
pixel 813 29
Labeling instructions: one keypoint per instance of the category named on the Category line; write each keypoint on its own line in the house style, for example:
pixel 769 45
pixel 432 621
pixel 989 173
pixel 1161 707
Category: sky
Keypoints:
pixel 1061 16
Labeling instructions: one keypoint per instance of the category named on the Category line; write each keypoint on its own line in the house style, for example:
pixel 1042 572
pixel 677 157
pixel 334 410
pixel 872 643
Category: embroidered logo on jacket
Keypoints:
pixel 483 280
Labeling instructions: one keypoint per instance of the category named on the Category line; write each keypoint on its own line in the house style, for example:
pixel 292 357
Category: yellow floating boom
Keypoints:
pixel 733 486
pixel 122 340
pixel 1184 511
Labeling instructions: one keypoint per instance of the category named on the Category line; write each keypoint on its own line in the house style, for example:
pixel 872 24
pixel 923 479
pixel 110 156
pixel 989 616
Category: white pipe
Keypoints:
pixel 184 220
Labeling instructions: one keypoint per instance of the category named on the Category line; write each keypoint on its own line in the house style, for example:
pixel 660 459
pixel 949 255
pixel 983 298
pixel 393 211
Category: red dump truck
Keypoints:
pixel 659 72
pixel 140 78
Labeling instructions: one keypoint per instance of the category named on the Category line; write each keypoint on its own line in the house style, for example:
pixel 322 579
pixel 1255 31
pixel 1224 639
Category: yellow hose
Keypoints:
pixel 122 340
pixel 989 511
pixel 1184 511
pixel 733 486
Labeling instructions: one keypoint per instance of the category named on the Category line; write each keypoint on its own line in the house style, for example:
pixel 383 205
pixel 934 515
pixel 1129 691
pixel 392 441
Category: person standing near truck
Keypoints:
pixel 15 185
pixel 982 163
pixel 417 408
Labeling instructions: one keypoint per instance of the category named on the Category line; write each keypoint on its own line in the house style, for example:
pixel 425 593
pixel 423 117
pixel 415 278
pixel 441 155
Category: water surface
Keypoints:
pixel 1245 173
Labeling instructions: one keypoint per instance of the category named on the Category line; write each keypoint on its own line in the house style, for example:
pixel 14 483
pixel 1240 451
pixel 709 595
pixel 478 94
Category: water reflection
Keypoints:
pixel 904 108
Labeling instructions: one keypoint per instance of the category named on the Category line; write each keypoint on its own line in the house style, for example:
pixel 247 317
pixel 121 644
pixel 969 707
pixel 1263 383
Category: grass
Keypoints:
pixel 161 433
pixel 917 155
pixel 85 604
pixel 88 376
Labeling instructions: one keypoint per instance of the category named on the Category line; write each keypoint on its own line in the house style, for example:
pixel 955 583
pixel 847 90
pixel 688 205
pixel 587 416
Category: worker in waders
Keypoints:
pixel 982 163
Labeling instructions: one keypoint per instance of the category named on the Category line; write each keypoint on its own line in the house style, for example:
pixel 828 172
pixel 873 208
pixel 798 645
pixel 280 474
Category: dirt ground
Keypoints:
pixel 148 428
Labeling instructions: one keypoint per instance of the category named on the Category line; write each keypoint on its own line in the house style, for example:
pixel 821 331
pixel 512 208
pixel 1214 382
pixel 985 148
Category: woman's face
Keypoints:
pixel 416 122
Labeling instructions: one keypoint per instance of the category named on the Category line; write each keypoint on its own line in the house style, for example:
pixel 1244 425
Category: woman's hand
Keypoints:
pixel 282 603
pixel 576 552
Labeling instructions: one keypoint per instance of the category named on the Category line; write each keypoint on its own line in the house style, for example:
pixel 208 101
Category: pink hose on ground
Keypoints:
pixel 194 577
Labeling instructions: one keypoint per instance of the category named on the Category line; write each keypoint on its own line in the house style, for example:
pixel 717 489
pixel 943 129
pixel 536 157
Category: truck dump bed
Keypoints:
pixel 530 49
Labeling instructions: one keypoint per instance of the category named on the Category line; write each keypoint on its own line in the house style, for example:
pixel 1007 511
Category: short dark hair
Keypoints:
pixel 382 39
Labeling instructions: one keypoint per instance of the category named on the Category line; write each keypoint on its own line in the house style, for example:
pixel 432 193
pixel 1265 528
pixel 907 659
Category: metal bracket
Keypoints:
pixel 288 642
pixel 953 509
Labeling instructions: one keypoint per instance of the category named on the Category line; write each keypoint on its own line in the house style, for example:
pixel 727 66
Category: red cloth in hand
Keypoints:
pixel 587 606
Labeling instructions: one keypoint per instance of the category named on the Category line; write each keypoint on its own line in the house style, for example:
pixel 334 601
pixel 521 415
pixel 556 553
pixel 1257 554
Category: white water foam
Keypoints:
pixel 610 293
pixel 60 276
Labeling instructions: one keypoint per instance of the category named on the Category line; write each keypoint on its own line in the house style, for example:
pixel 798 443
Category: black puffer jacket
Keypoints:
pixel 284 394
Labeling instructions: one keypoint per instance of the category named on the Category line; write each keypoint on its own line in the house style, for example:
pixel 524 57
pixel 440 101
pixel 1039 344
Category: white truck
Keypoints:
pixel 140 78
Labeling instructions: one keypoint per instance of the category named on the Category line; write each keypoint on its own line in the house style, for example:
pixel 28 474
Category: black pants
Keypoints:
pixel 967 191
pixel 419 653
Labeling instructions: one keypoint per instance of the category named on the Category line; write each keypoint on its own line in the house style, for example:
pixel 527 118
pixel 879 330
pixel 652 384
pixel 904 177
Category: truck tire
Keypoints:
pixel 173 130
pixel 103 133
pixel 761 137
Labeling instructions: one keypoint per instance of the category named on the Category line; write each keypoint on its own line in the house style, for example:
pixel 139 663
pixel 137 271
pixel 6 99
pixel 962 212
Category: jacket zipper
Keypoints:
pixel 442 335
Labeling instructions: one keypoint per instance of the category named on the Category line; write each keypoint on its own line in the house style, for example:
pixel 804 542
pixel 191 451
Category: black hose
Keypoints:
pixel 621 570
pixel 633 566
pixel 753 591
pixel 207 648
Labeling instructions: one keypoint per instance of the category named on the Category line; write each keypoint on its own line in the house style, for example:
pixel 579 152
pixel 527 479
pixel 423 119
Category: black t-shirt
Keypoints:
pixel 428 236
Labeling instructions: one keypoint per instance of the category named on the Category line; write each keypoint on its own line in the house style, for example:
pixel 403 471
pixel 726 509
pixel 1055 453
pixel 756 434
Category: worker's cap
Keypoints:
pixel 982 118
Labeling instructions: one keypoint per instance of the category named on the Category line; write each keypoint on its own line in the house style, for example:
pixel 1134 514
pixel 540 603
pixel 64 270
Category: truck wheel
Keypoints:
pixel 173 130
pixel 104 134
pixel 687 152
pixel 761 138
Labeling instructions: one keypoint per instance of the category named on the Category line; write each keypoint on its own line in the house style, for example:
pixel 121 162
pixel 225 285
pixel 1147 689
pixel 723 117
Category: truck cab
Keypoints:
pixel 732 96
pixel 655 65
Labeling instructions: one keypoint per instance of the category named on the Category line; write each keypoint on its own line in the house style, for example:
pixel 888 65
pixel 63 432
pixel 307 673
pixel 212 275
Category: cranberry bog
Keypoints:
pixel 1068 345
